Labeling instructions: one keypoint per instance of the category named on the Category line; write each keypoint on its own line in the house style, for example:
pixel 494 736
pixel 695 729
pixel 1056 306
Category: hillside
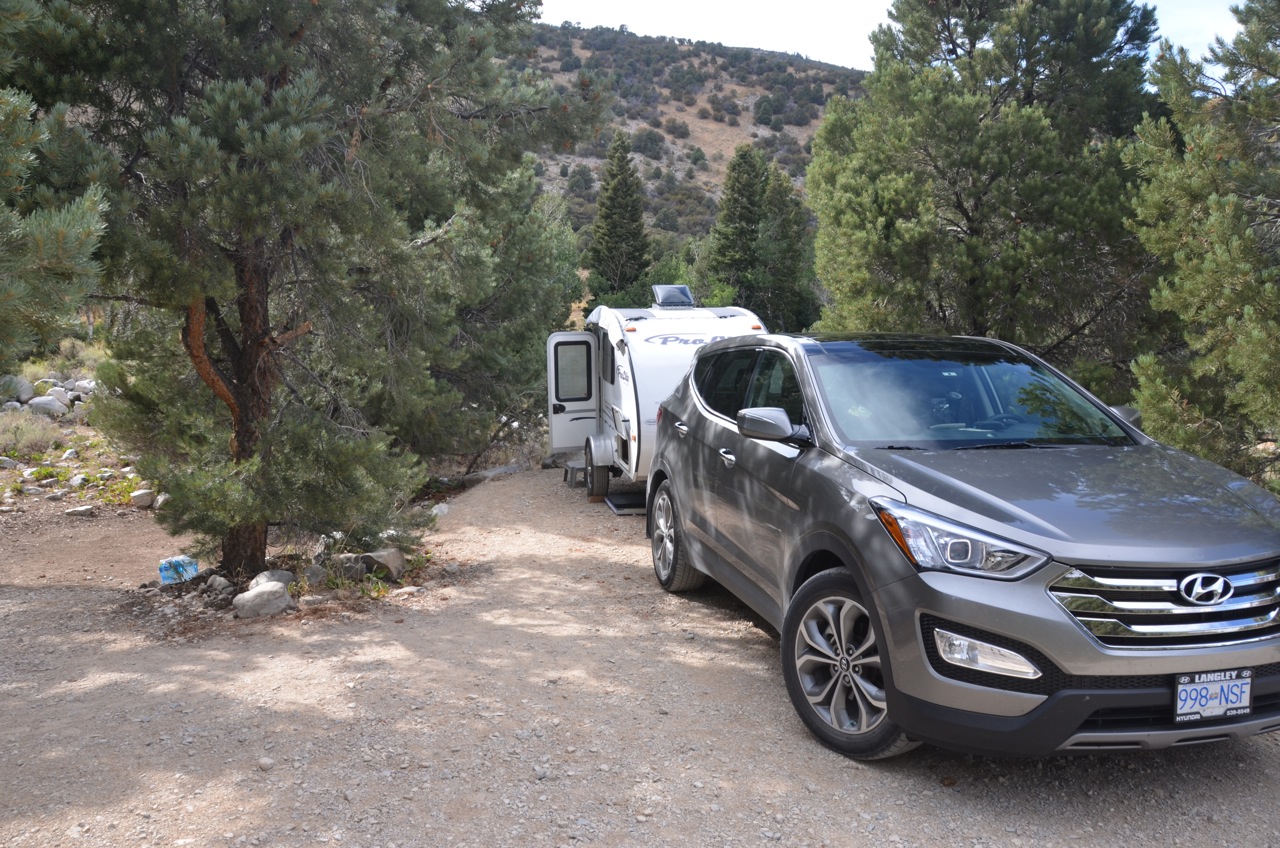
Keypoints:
pixel 687 105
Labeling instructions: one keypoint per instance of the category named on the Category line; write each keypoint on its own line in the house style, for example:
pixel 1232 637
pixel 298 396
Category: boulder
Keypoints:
pixel 269 598
pixel 348 566
pixel 81 511
pixel 85 387
pixel 15 388
pixel 60 394
pixel 46 405
pixel 274 575
pixel 142 498
pixel 11 406
pixel 390 559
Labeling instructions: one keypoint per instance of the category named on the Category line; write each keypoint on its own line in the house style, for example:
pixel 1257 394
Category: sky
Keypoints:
pixel 832 31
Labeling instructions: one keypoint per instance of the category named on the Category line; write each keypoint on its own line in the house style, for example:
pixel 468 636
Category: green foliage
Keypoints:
pixel 47 243
pixel 1208 212
pixel 761 245
pixel 978 187
pixel 328 233
pixel 619 251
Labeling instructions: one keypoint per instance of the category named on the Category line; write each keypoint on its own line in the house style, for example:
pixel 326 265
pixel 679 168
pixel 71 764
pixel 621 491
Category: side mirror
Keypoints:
pixel 770 423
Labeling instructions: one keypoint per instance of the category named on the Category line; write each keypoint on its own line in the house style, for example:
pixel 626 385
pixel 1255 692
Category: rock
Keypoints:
pixel 47 405
pixel 270 598
pixel 85 387
pixel 70 453
pixel 7 463
pixel 440 509
pixel 11 406
pixel 316 575
pixel 161 500
pixel 78 481
pixel 218 583
pixel 274 575
pixel 79 510
pixel 142 498
pixel 59 394
pixel 15 388
pixel 32 490
pixel 348 566
pixel 56 496
pixel 266 763
pixel 390 559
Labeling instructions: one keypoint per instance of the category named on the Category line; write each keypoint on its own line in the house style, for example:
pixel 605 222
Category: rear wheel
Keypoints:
pixel 835 669
pixel 597 475
pixel 670 561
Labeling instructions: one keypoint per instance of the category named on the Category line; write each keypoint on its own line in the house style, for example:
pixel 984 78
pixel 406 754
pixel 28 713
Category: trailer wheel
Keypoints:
pixel 597 476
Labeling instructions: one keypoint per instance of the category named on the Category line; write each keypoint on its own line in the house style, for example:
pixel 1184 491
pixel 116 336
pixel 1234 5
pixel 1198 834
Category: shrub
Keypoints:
pixel 25 436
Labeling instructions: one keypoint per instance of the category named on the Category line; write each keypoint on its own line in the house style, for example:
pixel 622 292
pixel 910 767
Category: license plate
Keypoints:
pixel 1213 694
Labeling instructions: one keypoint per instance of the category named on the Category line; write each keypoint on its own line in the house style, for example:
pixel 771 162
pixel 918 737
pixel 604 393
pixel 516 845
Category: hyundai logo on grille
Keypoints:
pixel 1205 590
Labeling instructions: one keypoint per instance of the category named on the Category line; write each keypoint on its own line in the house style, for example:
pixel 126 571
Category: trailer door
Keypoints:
pixel 573 390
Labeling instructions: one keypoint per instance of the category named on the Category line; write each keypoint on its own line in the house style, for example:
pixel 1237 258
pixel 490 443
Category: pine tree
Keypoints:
pixel 619 249
pixel 47 240
pixel 1209 213
pixel 314 197
pixel 978 187
pixel 760 249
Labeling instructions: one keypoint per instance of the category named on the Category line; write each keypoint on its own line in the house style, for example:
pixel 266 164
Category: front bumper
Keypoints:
pixel 1088 698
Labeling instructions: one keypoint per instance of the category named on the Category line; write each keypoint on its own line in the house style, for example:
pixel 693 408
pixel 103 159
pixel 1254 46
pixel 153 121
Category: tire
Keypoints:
pixel 670 560
pixel 835 670
pixel 597 475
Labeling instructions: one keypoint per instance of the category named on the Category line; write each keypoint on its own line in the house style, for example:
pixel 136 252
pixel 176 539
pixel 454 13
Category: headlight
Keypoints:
pixel 932 542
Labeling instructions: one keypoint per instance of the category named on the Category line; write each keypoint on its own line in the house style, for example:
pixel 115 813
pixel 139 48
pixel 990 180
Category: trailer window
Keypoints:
pixel 608 362
pixel 573 371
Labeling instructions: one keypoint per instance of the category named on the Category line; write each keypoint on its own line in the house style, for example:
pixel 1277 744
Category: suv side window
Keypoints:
pixel 721 380
pixel 775 384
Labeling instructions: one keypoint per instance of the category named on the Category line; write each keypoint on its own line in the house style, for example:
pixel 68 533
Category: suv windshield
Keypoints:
pixel 905 394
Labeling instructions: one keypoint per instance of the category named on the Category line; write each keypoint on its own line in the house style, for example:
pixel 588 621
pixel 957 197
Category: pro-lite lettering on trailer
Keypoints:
pixel 683 339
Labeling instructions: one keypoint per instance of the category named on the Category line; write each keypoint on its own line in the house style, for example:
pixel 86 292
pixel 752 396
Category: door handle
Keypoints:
pixel 681 428
pixel 727 457
pixel 557 408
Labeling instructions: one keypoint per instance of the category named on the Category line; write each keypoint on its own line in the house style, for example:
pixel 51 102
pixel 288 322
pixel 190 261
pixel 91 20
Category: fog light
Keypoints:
pixel 982 656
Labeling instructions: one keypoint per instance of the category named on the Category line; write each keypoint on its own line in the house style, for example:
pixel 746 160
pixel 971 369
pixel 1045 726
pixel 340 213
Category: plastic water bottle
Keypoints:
pixel 177 569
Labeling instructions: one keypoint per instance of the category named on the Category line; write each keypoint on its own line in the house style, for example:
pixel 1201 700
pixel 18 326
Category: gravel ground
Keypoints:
pixel 541 690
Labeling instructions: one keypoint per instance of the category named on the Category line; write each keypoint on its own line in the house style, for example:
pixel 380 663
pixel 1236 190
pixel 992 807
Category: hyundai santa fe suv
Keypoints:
pixel 960 546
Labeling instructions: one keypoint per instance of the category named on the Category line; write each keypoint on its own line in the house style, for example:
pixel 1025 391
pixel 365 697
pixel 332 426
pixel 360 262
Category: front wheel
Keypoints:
pixel 835 669
pixel 597 475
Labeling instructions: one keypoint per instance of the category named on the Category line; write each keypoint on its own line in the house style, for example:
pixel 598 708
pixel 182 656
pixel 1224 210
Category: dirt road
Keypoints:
pixel 544 691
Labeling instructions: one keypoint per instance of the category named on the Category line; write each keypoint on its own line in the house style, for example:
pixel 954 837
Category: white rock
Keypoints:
pixel 47 405
pixel 142 498
pixel 70 453
pixel 268 599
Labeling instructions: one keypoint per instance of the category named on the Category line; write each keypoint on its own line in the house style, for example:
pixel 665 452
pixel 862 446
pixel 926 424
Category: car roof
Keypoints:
pixel 815 344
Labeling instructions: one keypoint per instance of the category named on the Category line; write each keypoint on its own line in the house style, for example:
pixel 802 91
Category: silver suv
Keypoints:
pixel 960 546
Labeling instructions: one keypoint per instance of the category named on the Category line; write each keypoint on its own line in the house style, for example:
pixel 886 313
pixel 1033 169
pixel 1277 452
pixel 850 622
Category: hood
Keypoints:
pixel 1143 505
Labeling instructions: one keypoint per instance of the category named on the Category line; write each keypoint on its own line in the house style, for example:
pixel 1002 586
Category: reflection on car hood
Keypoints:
pixel 1145 504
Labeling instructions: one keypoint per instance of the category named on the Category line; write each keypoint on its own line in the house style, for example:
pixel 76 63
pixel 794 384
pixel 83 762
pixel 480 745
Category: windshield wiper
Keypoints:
pixel 898 447
pixel 1010 446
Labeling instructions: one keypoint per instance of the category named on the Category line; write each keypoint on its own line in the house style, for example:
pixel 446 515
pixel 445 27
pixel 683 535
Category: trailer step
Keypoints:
pixel 575 472
pixel 626 503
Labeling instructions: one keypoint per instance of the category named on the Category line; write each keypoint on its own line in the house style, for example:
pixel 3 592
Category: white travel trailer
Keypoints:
pixel 604 383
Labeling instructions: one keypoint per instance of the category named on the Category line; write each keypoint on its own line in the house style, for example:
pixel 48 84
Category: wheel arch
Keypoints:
pixel 657 476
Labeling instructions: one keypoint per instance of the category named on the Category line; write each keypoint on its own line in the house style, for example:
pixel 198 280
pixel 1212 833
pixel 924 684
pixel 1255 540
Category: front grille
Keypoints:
pixel 1132 608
